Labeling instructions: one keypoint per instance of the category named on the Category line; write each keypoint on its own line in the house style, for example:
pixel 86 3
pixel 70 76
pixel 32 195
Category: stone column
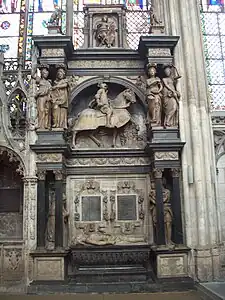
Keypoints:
pixel 30 211
pixel 201 222
pixel 41 213
pixel 58 208
pixel 176 207
pixel 69 18
pixel 160 232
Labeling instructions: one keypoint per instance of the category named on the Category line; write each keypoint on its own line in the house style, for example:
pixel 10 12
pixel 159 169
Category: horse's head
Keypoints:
pixel 129 95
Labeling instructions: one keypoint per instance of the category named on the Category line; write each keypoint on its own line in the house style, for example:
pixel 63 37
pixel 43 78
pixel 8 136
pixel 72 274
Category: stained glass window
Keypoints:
pixel 213 26
pixel 12 25
pixel 39 14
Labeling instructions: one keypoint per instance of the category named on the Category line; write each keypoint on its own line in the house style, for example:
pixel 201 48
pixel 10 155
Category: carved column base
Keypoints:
pixel 49 265
pixel 171 263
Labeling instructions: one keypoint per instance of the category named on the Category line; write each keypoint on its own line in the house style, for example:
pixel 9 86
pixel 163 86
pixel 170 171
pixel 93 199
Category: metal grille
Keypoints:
pixel 213 26
pixel 78 29
pixel 137 23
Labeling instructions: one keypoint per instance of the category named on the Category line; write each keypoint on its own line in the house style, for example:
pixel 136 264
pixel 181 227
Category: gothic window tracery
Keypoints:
pixel 17 105
pixel 213 27
pixel 22 19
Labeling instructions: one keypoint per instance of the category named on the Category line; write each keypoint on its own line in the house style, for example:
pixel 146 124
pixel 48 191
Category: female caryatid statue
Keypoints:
pixel 154 96
pixel 60 96
pixel 170 97
pixel 43 98
pixel 168 214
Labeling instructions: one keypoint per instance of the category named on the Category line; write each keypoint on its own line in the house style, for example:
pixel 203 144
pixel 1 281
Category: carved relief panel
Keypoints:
pixel 108 210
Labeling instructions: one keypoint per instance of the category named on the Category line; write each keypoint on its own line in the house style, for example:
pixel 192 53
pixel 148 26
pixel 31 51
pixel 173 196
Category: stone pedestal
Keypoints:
pixel 157 29
pixel 50 137
pixel 54 29
pixel 171 263
pixel 49 265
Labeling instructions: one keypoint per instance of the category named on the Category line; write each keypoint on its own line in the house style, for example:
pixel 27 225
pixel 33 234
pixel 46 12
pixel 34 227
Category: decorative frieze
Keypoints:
pixel 52 52
pixel 108 161
pixel 166 156
pixel 159 52
pixel 49 157
pixel 106 64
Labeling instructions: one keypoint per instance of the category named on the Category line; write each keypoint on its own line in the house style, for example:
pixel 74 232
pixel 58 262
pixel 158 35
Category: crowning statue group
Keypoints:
pixel 162 97
pixel 52 100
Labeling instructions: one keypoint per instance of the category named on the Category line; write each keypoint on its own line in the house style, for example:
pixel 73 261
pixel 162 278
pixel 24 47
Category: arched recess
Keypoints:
pixel 11 195
pixel 117 80
pixel 17 107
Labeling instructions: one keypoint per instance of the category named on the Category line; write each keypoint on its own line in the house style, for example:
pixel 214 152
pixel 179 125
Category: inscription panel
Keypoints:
pixel 91 208
pixel 126 207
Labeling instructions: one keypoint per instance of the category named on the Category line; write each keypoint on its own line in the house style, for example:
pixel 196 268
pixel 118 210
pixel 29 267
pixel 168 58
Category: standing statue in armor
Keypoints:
pixel 101 102
pixel 105 33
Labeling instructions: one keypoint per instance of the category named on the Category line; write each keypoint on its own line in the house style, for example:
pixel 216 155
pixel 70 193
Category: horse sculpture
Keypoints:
pixel 91 119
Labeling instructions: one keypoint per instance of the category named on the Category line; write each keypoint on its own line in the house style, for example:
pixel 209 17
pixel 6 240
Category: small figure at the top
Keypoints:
pixel 55 17
pixel 101 102
pixel 154 96
pixel 105 33
pixel 156 25
pixel 170 97
pixel 153 18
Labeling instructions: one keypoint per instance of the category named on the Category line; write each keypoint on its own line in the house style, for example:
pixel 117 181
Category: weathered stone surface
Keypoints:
pixel 49 268
pixel 172 265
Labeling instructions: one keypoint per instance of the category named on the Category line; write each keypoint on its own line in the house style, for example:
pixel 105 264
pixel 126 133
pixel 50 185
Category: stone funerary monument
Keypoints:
pixel 106 159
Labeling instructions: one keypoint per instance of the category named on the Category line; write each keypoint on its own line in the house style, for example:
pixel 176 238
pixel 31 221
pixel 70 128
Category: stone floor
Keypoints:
pixel 214 290
pixel 192 295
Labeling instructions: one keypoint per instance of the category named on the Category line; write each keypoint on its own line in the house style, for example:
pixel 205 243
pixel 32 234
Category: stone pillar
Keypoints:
pixel 176 208
pixel 58 208
pixel 41 213
pixel 160 232
pixel 30 211
pixel 201 222
pixel 69 18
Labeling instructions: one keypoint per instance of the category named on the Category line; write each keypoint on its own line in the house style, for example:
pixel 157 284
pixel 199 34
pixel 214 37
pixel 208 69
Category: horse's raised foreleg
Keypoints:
pixel 94 139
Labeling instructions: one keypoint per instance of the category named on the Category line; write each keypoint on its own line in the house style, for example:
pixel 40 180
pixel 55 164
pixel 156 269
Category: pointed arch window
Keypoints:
pixel 17 106
pixel 213 28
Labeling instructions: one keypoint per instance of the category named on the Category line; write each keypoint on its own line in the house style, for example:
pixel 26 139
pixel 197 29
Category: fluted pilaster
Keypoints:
pixel 195 125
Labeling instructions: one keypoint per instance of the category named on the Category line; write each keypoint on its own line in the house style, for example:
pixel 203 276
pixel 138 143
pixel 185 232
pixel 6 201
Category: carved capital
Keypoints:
pixel 31 180
pixel 157 173
pixel 41 174
pixel 58 174
pixel 175 172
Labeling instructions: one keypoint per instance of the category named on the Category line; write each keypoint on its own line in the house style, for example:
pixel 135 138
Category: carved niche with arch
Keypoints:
pixel 131 135
pixel 11 195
